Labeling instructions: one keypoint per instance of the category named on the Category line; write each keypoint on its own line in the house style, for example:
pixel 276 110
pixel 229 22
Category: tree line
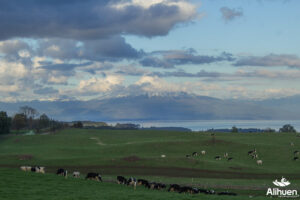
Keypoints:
pixel 28 118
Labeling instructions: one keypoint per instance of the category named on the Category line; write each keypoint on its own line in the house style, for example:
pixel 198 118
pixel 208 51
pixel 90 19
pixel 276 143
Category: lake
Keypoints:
pixel 202 125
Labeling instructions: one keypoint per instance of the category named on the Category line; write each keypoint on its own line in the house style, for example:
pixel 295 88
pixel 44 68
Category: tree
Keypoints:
pixel 5 122
pixel 287 128
pixel 78 124
pixel 234 129
pixel 19 121
pixel 30 113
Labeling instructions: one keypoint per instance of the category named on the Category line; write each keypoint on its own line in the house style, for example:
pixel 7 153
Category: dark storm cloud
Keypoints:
pixel 88 19
pixel 156 62
pixel 271 60
pixel 64 66
pixel 229 14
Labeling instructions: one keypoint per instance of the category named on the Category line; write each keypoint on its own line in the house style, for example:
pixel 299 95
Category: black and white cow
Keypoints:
pixel 93 176
pixel 121 180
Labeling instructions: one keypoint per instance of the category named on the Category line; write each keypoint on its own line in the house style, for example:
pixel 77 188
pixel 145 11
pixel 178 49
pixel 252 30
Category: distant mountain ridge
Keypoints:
pixel 169 107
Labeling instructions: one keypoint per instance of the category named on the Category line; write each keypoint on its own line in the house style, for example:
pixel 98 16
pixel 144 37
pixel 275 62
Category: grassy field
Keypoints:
pixel 138 153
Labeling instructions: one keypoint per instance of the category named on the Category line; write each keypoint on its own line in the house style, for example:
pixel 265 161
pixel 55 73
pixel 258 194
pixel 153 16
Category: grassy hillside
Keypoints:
pixel 138 153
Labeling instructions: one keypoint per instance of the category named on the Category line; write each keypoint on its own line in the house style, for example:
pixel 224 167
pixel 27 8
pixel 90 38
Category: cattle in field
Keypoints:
pixel 62 172
pixel 194 154
pixel 250 153
pixel 121 180
pixel 218 158
pixel 296 158
pixel 159 186
pixel 296 152
pixel 227 193
pixel 203 152
pixel 186 189
pixel 76 174
pixel 254 156
pixel 25 168
pixel 93 176
pixel 229 159
pixel 132 181
pixel 225 155
pixel 39 169
pixel 174 188
pixel 163 156
pixel 144 183
pixel 259 162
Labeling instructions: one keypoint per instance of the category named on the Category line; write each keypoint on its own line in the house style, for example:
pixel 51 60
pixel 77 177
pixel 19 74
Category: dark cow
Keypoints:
pixel 132 181
pixel 204 191
pixel 186 189
pixel 62 172
pixel 194 154
pixel 296 158
pixel 251 152
pixel 229 159
pixel 218 158
pixel 227 193
pixel 174 188
pixel 93 176
pixel 33 169
pixel 121 180
pixel 159 186
pixel 143 182
pixel 296 152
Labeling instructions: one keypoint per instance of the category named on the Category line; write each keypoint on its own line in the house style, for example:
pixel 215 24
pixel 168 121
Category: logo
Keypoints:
pixel 283 182
pixel 277 192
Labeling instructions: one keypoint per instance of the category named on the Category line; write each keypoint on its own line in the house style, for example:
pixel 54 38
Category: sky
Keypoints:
pixel 82 50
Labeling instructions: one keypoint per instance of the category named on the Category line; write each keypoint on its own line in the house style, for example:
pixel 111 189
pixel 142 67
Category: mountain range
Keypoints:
pixel 168 107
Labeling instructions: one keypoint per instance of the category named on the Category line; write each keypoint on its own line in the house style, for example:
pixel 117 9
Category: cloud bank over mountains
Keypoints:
pixel 79 50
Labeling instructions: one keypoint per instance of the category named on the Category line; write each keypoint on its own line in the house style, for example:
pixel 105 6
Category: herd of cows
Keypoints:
pixel 133 182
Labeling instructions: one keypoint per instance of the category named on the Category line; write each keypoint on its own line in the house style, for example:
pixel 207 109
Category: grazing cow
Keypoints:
pixel 121 180
pixel 225 155
pixel 25 168
pixel 227 193
pixel 251 152
pixel 132 181
pixel 33 169
pixel 174 188
pixel 186 189
pixel 159 186
pixel 296 152
pixel 229 159
pixel 143 182
pixel 39 169
pixel 76 174
pixel 259 162
pixel 218 158
pixel 203 152
pixel 194 154
pixel 163 156
pixel 62 172
pixel 195 191
pixel 295 158
pixel 254 156
pixel 93 176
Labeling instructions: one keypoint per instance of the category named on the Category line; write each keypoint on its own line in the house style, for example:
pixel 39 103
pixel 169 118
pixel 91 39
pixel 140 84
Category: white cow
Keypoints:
pixel 76 174
pixel 203 152
pixel 259 162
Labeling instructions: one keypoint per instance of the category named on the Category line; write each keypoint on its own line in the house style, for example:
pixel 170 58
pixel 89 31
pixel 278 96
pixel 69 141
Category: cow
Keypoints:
pixel 144 183
pixel 174 188
pixel 295 158
pixel 251 152
pixel 259 162
pixel 62 172
pixel 203 152
pixel 39 169
pixel 159 186
pixel 296 152
pixel 225 155
pixel 227 193
pixel 229 159
pixel 121 180
pixel 93 176
pixel 76 174
pixel 186 189
pixel 194 154
pixel 218 158
pixel 25 168
pixel 254 156
pixel 132 181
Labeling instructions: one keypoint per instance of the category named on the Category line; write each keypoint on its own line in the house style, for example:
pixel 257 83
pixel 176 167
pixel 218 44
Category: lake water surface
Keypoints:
pixel 202 125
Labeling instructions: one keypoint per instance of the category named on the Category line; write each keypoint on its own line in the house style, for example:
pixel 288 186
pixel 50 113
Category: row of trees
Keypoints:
pixel 28 118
